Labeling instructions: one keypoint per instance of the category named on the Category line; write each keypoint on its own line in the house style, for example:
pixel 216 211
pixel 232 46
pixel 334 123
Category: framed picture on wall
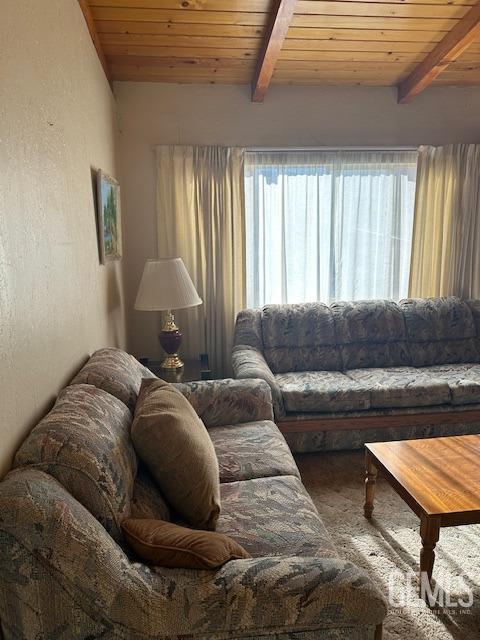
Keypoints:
pixel 109 218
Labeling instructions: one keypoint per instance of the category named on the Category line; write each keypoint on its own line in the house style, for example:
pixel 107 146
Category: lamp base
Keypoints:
pixel 170 339
pixel 172 362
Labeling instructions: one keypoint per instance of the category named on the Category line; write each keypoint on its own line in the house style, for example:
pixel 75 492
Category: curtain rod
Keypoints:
pixel 300 149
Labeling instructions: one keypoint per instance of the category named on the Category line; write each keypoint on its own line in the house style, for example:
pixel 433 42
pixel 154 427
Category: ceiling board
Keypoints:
pixel 154 40
pixel 174 75
pixel 172 16
pixel 182 63
pixel 303 6
pixel 402 35
pixel 235 62
pixel 290 59
pixel 151 10
pixel 180 52
pixel 174 29
pixel 243 18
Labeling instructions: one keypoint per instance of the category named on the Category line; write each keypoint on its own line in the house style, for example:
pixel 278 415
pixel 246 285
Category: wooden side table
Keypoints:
pixel 193 369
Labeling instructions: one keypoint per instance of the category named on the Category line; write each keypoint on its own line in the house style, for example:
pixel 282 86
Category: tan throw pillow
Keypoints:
pixel 165 544
pixel 174 444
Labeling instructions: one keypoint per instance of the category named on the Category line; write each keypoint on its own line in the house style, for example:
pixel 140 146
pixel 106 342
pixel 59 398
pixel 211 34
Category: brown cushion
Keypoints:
pixel 174 444
pixel 165 544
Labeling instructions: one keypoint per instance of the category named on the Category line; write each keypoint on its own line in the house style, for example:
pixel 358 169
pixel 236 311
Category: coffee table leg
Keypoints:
pixel 429 532
pixel 370 482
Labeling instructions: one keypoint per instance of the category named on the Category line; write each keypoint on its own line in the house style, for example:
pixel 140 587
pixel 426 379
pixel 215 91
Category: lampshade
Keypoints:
pixel 166 285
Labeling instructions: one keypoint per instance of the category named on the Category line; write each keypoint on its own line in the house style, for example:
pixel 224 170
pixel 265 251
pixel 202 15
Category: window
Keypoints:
pixel 328 225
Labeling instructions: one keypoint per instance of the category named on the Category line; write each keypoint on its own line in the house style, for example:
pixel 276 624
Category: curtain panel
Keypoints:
pixel 201 218
pixel 445 256
pixel 328 225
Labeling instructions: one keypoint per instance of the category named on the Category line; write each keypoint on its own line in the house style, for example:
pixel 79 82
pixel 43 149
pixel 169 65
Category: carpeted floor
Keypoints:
pixel 388 549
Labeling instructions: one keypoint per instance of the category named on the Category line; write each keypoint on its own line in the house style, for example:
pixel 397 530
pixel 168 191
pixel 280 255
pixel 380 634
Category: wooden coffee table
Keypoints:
pixel 439 479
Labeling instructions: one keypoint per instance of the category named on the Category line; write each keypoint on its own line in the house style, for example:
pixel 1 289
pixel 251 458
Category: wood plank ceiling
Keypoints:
pixel 328 42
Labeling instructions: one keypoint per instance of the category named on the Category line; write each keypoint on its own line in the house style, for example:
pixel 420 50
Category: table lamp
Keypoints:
pixel 166 285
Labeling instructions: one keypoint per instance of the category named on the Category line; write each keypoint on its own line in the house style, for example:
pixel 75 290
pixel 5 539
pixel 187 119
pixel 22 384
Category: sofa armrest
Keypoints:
pixel 293 593
pixel 220 402
pixel 62 575
pixel 249 362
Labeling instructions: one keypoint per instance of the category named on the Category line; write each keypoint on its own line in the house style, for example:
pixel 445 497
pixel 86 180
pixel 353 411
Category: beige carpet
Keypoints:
pixel 388 548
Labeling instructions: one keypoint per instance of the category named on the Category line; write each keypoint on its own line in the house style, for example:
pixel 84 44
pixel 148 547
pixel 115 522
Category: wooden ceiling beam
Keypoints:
pixel 87 14
pixel 446 51
pixel 272 45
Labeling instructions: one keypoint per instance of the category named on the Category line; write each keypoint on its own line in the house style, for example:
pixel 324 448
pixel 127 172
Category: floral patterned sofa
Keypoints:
pixel 356 372
pixel 66 574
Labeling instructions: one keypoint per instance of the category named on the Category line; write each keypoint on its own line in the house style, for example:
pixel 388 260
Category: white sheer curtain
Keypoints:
pixel 328 225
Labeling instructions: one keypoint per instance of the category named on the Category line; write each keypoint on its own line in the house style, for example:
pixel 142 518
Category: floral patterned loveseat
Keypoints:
pixel 66 574
pixel 357 372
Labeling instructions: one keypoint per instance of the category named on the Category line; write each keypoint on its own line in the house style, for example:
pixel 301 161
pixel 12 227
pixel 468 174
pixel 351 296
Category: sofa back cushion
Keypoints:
pixel 84 442
pixel 147 499
pixel 370 333
pixel 116 372
pixel 300 337
pixel 439 331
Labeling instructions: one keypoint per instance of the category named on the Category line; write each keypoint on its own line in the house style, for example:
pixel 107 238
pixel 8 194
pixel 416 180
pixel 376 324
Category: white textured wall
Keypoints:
pixel 57 121
pixel 151 114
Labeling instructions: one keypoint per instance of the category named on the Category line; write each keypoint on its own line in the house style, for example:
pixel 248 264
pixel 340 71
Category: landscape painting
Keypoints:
pixel 109 218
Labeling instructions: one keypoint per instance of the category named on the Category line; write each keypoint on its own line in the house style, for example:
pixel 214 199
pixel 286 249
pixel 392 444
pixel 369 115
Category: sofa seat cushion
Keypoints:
pixel 322 391
pixel 252 450
pixel 401 387
pixel 462 379
pixel 273 517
